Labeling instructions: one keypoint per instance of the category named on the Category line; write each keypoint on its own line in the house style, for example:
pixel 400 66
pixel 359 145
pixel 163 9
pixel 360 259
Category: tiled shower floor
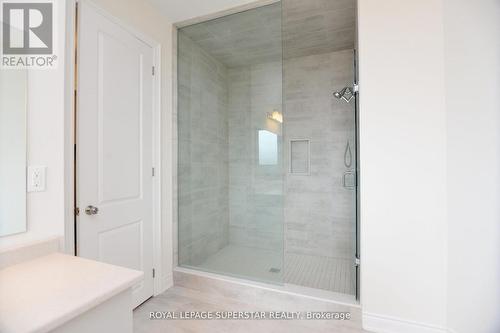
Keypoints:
pixel 331 274
pixel 246 262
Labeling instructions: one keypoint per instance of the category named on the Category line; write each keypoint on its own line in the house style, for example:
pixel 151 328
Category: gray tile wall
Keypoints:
pixel 319 211
pixel 225 196
pixel 255 191
pixel 203 212
pixel 318 26
pixel 221 182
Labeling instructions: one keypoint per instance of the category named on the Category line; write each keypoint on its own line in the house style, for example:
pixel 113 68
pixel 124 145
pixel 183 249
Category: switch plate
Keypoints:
pixel 36 178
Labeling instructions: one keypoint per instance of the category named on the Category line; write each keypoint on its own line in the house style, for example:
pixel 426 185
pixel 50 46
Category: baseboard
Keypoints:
pixel 169 281
pixel 385 324
pixel 162 284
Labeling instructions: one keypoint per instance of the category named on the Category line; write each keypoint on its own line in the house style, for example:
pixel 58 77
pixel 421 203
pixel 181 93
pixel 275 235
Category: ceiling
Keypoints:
pixel 245 38
pixel 181 10
pixel 263 34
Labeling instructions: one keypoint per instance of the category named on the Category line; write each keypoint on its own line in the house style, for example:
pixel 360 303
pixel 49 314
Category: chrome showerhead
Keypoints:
pixel 347 94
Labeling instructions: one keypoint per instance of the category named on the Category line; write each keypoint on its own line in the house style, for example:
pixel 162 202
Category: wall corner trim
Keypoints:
pixel 385 324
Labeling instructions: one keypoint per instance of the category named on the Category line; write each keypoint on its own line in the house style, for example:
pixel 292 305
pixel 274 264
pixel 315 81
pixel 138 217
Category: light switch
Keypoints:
pixel 36 178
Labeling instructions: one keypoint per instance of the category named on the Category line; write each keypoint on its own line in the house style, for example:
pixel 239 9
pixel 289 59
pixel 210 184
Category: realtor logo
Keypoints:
pixel 28 34
pixel 28 28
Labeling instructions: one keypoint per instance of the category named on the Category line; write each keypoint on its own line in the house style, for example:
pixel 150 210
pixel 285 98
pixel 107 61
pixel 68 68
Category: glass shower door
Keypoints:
pixel 230 145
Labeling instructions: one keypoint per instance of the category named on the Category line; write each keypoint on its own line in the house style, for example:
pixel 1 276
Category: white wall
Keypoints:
pixel 45 210
pixel 430 161
pixel 403 165
pixel 472 44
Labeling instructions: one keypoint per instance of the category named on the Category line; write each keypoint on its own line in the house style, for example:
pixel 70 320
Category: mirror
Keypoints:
pixel 13 89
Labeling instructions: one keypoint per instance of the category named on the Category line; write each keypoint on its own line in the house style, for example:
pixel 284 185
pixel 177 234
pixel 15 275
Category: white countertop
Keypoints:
pixel 42 294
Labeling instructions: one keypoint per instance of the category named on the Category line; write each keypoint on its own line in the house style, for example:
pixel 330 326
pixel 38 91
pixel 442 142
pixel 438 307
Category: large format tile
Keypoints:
pixel 319 212
pixel 202 181
pixel 185 299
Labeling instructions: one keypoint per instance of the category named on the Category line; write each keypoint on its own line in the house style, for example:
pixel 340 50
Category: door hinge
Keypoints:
pixel 77 211
pixel 153 172
pixel 153 70
pixel 154 273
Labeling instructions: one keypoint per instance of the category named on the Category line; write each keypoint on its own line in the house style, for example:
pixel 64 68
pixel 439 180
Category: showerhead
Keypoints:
pixel 347 94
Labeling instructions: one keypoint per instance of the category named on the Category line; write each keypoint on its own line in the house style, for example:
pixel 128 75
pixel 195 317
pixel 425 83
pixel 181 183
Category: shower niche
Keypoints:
pixel 266 151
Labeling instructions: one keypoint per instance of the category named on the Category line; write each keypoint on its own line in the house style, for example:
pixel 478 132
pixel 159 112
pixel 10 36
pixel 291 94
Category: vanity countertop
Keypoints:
pixel 43 294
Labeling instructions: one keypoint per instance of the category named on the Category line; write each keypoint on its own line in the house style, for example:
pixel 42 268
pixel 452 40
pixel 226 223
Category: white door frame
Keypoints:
pixel 160 282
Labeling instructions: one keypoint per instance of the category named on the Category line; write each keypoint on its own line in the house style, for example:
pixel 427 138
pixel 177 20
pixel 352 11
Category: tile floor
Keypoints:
pixel 332 274
pixel 184 299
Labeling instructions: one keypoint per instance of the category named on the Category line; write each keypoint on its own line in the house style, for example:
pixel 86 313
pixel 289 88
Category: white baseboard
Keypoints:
pixel 162 284
pixel 169 281
pixel 385 324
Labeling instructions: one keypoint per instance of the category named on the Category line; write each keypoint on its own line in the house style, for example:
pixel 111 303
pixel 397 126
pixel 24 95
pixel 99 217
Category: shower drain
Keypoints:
pixel 275 270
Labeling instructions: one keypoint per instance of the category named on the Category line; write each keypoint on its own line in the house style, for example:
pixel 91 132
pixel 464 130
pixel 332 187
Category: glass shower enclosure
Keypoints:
pixel 266 150
pixel 230 146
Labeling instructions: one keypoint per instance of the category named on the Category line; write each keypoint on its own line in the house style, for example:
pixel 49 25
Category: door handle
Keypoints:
pixel 91 210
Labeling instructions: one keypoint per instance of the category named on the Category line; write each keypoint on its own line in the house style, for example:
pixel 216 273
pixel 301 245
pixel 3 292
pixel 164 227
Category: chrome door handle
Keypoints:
pixel 91 210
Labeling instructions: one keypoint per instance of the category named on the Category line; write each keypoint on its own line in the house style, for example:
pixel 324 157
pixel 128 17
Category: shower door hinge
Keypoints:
pixel 357 262
pixel 355 88
pixel 154 273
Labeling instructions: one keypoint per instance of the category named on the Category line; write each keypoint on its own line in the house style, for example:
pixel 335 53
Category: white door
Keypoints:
pixel 115 145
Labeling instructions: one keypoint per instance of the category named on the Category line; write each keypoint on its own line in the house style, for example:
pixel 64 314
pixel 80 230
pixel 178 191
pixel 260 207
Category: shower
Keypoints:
pixel 266 155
